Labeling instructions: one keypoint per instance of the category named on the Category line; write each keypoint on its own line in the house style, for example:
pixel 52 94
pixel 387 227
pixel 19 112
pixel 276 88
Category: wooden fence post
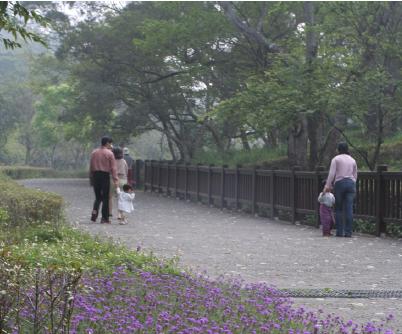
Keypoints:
pixel 272 193
pixel 152 176
pixel 293 192
pixel 318 187
pixel 223 186
pixel 145 174
pixel 237 179
pixel 160 163
pixel 197 182
pixel 210 184
pixel 175 178
pixel 254 189
pixel 137 177
pixel 186 181
pixel 168 179
pixel 380 224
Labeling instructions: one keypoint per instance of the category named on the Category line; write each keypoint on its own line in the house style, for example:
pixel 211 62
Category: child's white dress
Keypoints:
pixel 125 201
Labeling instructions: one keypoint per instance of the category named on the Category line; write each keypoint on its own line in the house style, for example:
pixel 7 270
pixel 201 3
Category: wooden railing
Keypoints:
pixel 290 194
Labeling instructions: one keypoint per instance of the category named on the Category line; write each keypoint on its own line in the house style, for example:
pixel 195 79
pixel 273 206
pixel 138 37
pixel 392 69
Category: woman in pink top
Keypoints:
pixel 122 171
pixel 343 175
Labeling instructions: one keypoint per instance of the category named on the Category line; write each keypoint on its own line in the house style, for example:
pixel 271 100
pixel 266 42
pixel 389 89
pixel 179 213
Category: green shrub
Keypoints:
pixel 394 230
pixel 364 226
pixel 25 206
pixel 27 172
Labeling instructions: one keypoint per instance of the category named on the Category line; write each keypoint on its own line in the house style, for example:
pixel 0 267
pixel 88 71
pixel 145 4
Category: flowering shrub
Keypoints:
pixel 64 281
pixel 143 302
pixel 36 301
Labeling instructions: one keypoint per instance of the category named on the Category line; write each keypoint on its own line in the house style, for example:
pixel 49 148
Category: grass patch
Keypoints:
pixel 65 248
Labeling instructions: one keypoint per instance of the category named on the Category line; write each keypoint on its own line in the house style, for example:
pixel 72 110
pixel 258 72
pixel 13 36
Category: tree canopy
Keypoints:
pixel 218 76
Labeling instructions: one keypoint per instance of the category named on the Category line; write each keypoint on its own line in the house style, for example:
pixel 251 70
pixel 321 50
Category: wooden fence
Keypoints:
pixel 273 193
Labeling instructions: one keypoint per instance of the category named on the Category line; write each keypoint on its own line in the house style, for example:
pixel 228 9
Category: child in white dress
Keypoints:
pixel 125 205
pixel 327 201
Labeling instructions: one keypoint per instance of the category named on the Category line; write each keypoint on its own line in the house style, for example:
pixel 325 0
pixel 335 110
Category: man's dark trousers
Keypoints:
pixel 101 183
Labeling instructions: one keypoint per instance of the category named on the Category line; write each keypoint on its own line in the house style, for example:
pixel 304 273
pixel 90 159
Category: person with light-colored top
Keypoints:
pixel 121 166
pixel 125 200
pixel 121 170
pixel 102 170
pixel 342 177
pixel 130 163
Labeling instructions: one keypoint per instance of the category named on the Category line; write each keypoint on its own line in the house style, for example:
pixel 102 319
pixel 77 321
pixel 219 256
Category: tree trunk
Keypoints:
pixel 28 155
pixel 171 149
pixel 333 137
pixel 313 119
pixel 216 136
pixel 297 143
pixel 52 156
pixel 244 140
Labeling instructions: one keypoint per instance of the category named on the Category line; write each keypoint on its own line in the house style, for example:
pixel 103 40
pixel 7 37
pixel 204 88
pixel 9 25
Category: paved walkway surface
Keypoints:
pixel 232 243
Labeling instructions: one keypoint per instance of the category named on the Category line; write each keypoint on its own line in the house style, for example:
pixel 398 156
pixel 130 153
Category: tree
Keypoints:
pixel 369 95
pixel 13 20
pixel 154 73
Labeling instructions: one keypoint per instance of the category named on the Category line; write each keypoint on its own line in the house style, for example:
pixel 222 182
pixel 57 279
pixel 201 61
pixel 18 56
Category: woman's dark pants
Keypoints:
pixel 101 183
pixel 345 192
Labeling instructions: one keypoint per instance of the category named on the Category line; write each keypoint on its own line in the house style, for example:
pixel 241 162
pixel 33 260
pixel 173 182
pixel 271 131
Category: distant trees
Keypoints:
pixel 218 75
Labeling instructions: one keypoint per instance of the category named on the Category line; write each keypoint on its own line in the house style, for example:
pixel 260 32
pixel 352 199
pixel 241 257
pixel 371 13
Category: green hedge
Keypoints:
pixel 21 206
pixel 26 172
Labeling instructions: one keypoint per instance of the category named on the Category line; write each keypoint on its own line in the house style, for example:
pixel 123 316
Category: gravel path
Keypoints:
pixel 232 243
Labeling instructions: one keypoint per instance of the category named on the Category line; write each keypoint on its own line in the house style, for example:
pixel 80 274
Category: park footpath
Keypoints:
pixel 257 249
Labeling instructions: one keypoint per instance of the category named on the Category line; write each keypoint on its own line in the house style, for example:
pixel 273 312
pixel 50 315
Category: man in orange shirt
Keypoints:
pixel 102 165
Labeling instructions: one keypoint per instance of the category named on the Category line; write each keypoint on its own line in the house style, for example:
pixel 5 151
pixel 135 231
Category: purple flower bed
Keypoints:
pixel 142 302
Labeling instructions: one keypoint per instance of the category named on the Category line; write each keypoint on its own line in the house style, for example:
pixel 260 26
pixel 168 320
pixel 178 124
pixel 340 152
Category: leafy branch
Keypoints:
pixel 13 20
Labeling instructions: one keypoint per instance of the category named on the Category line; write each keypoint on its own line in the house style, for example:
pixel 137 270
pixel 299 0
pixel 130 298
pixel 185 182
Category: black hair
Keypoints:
pixel 118 153
pixel 106 140
pixel 343 148
pixel 127 187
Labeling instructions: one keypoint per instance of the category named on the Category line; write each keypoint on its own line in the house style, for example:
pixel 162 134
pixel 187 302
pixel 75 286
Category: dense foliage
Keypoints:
pixel 212 77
